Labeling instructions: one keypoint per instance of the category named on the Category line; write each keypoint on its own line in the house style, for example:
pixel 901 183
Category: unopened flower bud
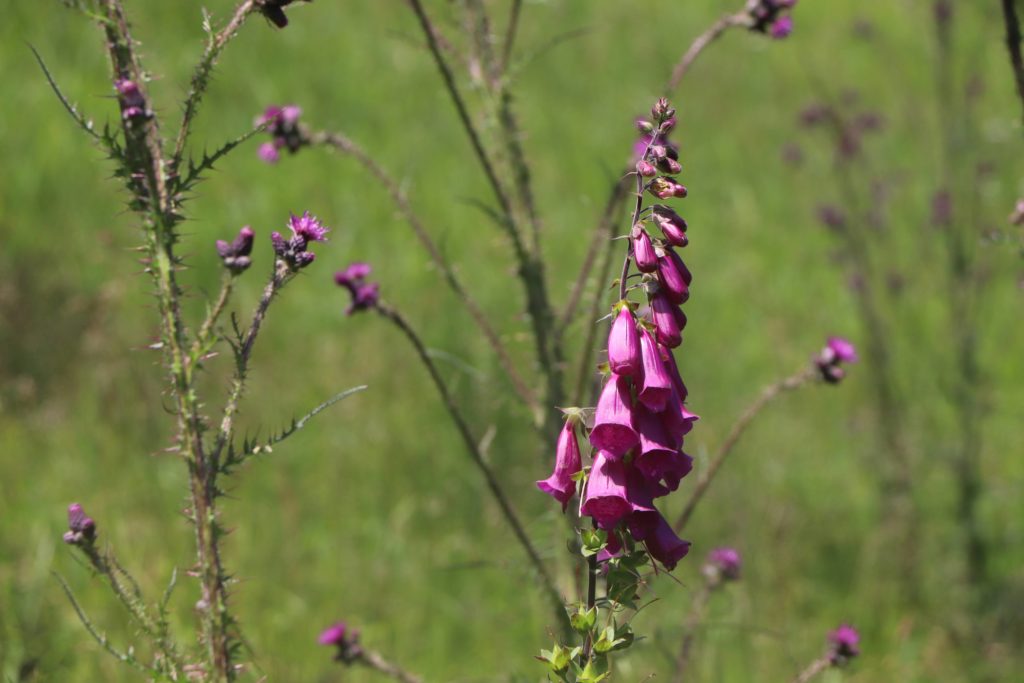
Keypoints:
pixel 664 187
pixel 624 344
pixel 844 645
pixel 643 250
pixel 646 169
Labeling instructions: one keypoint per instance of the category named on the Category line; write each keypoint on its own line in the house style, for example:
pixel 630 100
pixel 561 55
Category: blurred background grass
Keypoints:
pixel 372 514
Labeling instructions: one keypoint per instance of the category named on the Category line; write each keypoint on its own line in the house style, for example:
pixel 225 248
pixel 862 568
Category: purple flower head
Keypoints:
pixel 643 250
pixel 844 643
pixel 724 563
pixel 832 217
pixel 664 187
pixel 613 420
pixel 81 527
pixel 346 639
pixel 657 383
pixel 308 227
pixel 831 359
pixel 364 294
pixel 283 125
pixel 560 485
pixel 782 27
pixel 624 344
pixel 235 255
pixel 268 153
pixel 133 104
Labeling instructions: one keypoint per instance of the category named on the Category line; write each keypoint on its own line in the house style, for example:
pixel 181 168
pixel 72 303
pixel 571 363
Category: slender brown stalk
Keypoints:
pixel 475 454
pixel 374 660
pixel 813 669
pixel 510 34
pixel 713 33
pixel 1013 45
pixel 697 609
pixel 769 394
pixel 345 145
pixel 148 183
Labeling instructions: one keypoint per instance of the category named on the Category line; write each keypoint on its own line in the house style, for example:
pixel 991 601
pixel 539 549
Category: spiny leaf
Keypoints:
pixel 195 170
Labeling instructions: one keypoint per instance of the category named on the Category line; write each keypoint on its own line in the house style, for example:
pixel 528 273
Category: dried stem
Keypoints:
pixel 510 34
pixel 473 449
pixel 201 76
pixel 375 661
pixel 148 182
pixel 697 609
pixel 1013 45
pixel 769 394
pixel 709 36
pixel 344 144
pixel 813 669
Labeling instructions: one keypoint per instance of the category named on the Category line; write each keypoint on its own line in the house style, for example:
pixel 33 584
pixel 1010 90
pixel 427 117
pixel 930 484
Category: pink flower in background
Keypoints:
pixel 844 644
pixel 830 360
pixel 725 562
pixel 364 294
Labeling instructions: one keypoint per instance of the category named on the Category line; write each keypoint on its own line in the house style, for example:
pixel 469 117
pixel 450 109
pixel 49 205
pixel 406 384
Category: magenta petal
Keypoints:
pixel 613 420
pixel 664 545
pixel 673 373
pixel 624 345
pixel 657 383
pixel 643 251
pixel 606 498
pixel 560 484
pixel 674 277
pixel 677 419
pixel 666 321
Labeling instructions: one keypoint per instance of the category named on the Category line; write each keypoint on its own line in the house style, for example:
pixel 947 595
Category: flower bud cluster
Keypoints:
pixel 640 419
pixel 133 104
pixel 81 527
pixel 364 294
pixel 305 229
pixel 771 17
pixel 283 125
pixel 837 351
pixel 346 639
pixel 235 255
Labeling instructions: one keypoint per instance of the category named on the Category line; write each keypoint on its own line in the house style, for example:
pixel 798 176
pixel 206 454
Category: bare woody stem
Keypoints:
pixel 713 33
pixel 374 660
pixel 149 184
pixel 476 455
pixel 345 145
pixel 769 394
pixel 1013 45
pixel 697 609
pixel 813 669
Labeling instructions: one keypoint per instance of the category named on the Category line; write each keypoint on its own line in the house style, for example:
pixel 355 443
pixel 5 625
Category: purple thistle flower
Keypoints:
pixel 346 639
pixel 81 527
pixel 560 485
pixel 643 250
pixel 308 227
pixel 782 27
pixel 657 383
pixel 133 104
pixel 624 344
pixel 606 498
pixel 235 255
pixel 837 351
pixel 613 420
pixel 365 295
pixel 283 125
pixel 675 277
pixel 844 644
pixel 268 153
pixel 843 349
pixel 725 563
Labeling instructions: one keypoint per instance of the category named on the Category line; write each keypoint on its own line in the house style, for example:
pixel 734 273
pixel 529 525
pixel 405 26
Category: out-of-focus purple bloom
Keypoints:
pixel 724 563
pixel 81 527
pixel 837 351
pixel 133 104
pixel 782 27
pixel 624 344
pixel 283 125
pixel 844 643
pixel 815 114
pixel 613 420
pixel 832 217
pixel 364 294
pixel 646 169
pixel 346 639
pixel 268 153
pixel 560 485
pixel 643 250
pixel 664 187
pixel 235 255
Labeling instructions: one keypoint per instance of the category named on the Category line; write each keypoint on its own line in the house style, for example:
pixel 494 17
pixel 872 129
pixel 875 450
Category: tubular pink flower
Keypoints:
pixel 643 250
pixel 673 372
pixel 665 188
pixel 666 321
pixel 657 384
pixel 672 225
pixel 613 420
pixel 606 498
pixel 660 459
pixel 674 277
pixel 677 419
pixel 624 344
pixel 560 484
pixel 662 542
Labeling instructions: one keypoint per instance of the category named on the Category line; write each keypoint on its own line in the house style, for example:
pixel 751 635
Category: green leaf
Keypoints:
pixel 594 541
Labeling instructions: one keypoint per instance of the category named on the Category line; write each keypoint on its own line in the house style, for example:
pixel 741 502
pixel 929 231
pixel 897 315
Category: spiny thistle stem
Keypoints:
pixel 767 396
pixel 340 142
pixel 473 448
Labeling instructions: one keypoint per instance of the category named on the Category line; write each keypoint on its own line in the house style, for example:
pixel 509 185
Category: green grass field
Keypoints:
pixel 373 514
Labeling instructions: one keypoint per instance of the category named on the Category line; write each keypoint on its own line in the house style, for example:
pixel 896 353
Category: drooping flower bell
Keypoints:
pixel 624 344
pixel 657 383
pixel 561 485
pixel 643 250
pixel 613 420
